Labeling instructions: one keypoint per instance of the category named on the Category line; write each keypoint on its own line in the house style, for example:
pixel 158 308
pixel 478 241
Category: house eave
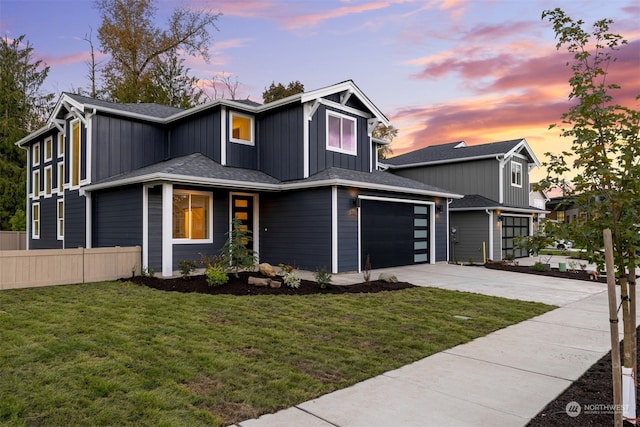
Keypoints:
pixel 504 209
pixel 442 162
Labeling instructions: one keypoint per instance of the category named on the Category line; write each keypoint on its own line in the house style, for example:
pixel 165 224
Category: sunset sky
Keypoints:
pixel 441 70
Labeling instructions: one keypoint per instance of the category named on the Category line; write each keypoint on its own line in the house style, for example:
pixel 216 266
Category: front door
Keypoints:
pixel 242 209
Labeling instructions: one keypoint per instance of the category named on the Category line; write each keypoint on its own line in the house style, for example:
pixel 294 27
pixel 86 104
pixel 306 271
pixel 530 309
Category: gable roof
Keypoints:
pixel 459 152
pixel 198 169
pixel 475 202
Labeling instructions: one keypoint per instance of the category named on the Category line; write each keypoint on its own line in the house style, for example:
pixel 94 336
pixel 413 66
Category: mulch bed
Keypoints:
pixel 239 286
pixel 554 272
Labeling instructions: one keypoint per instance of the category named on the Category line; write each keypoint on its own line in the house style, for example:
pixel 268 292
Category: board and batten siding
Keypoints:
pixel 117 217
pixel 280 145
pixel 513 195
pixel 48 225
pixel 75 216
pixel 321 158
pixel 122 145
pixel 199 134
pixel 347 230
pixel 478 177
pixel 472 231
pixel 295 228
pixel 154 206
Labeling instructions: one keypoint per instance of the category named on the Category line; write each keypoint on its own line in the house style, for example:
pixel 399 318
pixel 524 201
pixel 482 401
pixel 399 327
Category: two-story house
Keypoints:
pixel 494 179
pixel 301 173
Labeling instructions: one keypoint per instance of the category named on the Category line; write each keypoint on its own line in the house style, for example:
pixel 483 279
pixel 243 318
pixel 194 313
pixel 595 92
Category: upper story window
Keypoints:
pixel 241 128
pixel 35 158
pixel 48 181
pixel 60 144
pixel 35 184
pixel 48 149
pixel 516 174
pixel 60 177
pixel 192 216
pixel 76 147
pixel 341 133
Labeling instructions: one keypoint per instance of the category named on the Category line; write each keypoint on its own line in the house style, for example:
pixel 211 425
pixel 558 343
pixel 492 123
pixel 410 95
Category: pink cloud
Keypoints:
pixel 75 58
pixel 312 20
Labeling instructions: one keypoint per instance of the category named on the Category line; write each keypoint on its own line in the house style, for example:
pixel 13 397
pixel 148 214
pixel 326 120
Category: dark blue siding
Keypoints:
pixel 117 217
pixel 121 145
pixel 74 218
pixel 321 158
pixel 48 225
pixel 295 228
pixel 347 231
pixel 280 139
pixel 155 228
pixel 199 134
pixel 242 156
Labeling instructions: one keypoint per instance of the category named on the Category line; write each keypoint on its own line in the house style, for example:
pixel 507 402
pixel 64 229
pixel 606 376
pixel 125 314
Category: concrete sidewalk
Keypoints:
pixel 504 378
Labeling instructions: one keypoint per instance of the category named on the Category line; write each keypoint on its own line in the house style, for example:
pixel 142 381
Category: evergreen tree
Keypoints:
pixel 279 91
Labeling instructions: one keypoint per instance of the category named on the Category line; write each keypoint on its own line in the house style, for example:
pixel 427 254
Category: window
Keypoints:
pixel 192 215
pixel 61 144
pixel 48 149
pixel 35 160
pixel 341 133
pixel 516 174
pixel 35 184
pixel 76 146
pixel 35 220
pixel 560 216
pixel 60 211
pixel 60 177
pixel 47 181
pixel 241 128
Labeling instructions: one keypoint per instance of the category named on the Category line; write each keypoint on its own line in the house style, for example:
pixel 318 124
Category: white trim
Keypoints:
pixel 33 157
pixel 145 225
pixel 501 162
pixel 359 212
pixel 71 156
pixel 35 184
pixel 63 137
pixel 60 235
pixel 60 176
pixel 511 171
pixel 167 234
pixel 309 110
pixel 255 232
pixel 48 141
pixel 251 141
pixel 89 146
pixel 48 189
pixel 28 212
pixel 89 219
pixel 189 240
pixel 334 229
pixel 223 137
pixel 491 227
pixel 448 222
pixel 342 117
pixel 344 108
pixel 33 234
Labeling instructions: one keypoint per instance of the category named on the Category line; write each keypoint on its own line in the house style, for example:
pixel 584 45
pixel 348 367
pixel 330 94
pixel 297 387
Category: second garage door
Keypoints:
pixel 394 233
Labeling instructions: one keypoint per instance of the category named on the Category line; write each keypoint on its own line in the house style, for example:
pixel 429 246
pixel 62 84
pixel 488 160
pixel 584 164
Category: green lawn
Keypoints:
pixel 120 354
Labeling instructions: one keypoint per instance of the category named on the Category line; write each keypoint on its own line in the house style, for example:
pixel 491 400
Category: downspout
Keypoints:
pixel 501 180
pixel 490 213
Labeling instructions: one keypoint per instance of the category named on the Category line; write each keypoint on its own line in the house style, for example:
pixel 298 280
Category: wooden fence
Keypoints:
pixel 13 240
pixel 46 267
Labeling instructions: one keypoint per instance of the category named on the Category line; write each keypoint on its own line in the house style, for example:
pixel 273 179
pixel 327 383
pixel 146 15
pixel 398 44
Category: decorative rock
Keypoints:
pixel 266 269
pixel 258 281
pixel 275 283
pixel 389 278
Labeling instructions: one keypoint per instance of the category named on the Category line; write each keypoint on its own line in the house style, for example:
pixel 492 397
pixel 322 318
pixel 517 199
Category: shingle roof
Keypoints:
pixel 478 202
pixel 148 109
pixel 449 152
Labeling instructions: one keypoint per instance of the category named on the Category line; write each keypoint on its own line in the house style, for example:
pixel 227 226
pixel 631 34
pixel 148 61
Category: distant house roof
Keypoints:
pixel 474 202
pixel 459 152
pixel 197 169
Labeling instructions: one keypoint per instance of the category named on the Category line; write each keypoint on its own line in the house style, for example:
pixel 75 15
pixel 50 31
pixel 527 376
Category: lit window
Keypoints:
pixel 35 220
pixel 48 149
pixel 75 154
pixel 341 133
pixel 192 215
pixel 36 154
pixel 35 184
pixel 60 144
pixel 60 177
pixel 47 181
pixel 516 174
pixel 60 219
pixel 241 128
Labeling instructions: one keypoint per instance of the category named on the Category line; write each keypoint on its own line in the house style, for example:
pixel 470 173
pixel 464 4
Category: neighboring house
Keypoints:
pixel 494 179
pixel 563 209
pixel 301 173
pixel 538 199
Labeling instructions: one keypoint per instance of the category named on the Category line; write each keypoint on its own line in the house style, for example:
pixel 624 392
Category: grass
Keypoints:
pixel 115 353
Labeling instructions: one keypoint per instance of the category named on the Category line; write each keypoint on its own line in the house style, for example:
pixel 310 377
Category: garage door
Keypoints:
pixel 394 234
pixel 513 226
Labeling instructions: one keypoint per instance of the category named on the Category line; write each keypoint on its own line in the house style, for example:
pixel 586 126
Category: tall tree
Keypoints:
pixel 172 85
pixel 278 91
pixel 605 153
pixel 22 110
pixel 387 133
pixel 128 33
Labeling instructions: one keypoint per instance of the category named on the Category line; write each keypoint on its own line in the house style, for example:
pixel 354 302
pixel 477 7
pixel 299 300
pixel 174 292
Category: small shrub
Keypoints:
pixel 187 267
pixel 323 277
pixel 216 276
pixel 291 280
pixel 538 266
pixel 284 268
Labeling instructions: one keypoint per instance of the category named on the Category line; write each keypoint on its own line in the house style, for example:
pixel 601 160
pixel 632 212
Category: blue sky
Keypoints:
pixel 441 70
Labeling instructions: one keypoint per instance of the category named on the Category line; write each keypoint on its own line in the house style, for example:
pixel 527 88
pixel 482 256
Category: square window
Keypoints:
pixel 192 216
pixel 48 149
pixel 516 174
pixel 341 133
pixel 241 128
